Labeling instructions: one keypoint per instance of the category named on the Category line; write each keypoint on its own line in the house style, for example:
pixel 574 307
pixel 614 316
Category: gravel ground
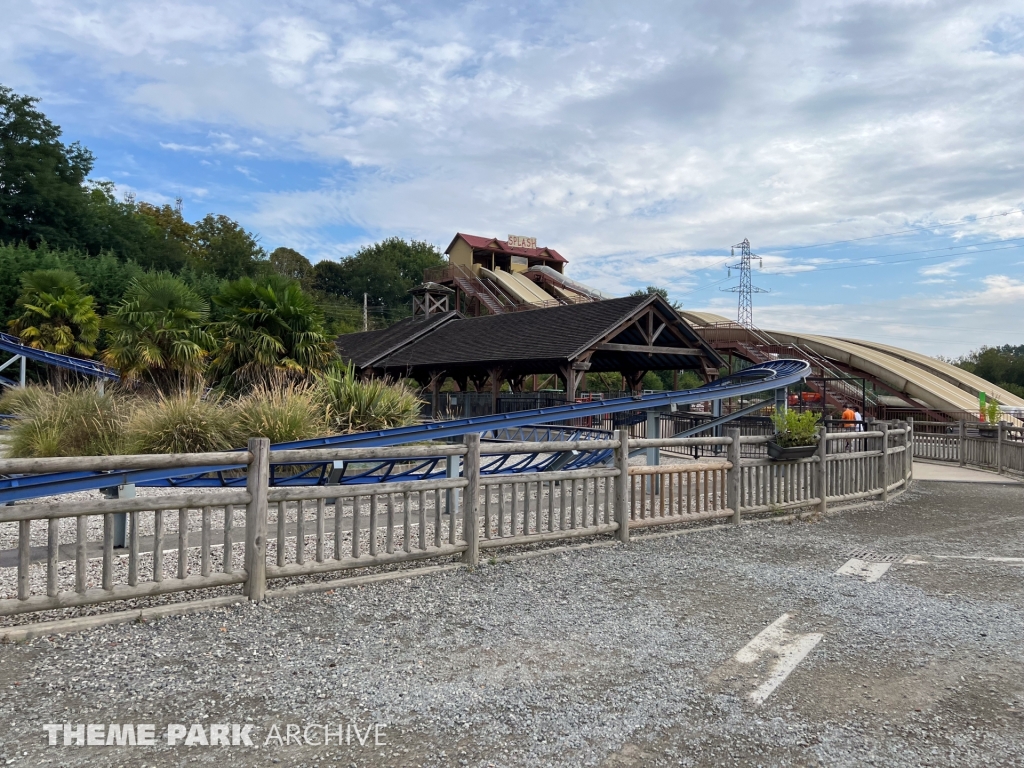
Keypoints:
pixel 612 656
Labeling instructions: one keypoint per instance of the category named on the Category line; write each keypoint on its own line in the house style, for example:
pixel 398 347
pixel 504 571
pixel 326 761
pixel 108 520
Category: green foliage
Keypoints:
pixel 793 429
pixel 223 248
pixel 280 414
pixel 293 265
pixel 353 405
pixel 663 292
pixel 42 197
pixel 158 333
pixel 385 271
pixel 56 315
pixel 170 237
pixel 992 413
pixel 23 401
pixel 182 424
pixel 1003 366
pixel 272 333
pixel 73 422
pixel 106 276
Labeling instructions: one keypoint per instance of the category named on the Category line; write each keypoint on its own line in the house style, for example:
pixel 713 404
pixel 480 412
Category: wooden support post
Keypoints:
pixel 910 450
pixel 734 476
pixel 884 427
pixel 962 448
pixel 495 388
pixel 257 483
pixel 471 500
pixel 653 454
pixel 821 470
pixel 622 485
pixel 1000 433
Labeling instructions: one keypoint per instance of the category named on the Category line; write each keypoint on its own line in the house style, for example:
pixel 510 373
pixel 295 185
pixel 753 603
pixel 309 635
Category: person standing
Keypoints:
pixel 848 423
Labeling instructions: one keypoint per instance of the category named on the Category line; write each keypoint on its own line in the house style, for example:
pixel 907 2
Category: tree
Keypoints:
pixel 293 265
pixel 223 248
pixel 663 292
pixel 158 333
pixel 1003 366
pixel 42 192
pixel 108 275
pixel 385 271
pixel 273 332
pixel 56 314
pixel 171 238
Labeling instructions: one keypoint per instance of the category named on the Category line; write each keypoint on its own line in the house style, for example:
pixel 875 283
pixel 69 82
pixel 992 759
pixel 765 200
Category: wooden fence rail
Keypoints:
pixel 988 446
pixel 64 553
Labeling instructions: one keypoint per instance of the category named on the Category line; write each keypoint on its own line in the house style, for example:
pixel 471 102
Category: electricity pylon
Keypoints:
pixel 746 289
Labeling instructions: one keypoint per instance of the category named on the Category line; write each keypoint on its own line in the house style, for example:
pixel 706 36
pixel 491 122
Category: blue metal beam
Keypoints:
pixel 766 376
pixel 13 345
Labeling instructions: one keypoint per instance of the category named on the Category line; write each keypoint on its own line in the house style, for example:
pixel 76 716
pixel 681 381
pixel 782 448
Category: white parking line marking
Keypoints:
pixel 1007 560
pixel 863 570
pixel 788 649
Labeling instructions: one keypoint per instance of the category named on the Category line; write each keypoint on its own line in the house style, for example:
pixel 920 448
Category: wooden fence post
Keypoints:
pixel 884 427
pixel 471 500
pixel 734 476
pixel 821 471
pixel 962 448
pixel 622 500
pixel 1000 433
pixel 908 441
pixel 257 483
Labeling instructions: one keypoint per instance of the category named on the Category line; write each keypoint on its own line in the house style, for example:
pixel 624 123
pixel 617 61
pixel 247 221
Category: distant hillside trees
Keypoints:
pixel 1003 366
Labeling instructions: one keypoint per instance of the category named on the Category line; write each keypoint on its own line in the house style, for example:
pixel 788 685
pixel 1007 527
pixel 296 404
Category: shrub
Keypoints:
pixel 279 413
pixel 183 424
pixel 353 405
pixel 23 401
pixel 74 422
pixel 793 429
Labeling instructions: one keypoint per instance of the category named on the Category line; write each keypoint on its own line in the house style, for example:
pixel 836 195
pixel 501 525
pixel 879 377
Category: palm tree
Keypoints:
pixel 273 332
pixel 56 315
pixel 159 332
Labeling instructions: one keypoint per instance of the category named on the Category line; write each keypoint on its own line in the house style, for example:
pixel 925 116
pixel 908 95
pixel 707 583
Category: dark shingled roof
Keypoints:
pixel 365 348
pixel 534 341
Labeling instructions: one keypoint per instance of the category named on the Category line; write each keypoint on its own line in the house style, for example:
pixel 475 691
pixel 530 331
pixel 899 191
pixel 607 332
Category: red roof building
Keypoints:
pixel 492 253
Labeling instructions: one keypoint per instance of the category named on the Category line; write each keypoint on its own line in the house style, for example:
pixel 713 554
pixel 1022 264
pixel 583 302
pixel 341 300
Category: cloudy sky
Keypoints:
pixel 640 139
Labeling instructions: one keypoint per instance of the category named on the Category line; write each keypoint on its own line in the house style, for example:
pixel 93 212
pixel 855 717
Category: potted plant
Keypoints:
pixel 795 436
pixel 990 427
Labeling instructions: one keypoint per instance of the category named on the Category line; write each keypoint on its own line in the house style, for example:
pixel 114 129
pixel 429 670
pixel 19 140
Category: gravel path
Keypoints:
pixel 610 656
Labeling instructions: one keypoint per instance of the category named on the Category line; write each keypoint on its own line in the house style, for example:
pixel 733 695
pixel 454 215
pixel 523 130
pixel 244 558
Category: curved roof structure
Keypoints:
pixel 938 385
pixel 951 373
pixel 902 376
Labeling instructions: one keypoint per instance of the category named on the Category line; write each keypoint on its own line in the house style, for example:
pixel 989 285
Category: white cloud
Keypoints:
pixel 634 137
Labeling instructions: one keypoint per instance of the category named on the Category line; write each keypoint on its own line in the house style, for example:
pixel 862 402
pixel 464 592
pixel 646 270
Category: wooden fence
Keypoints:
pixel 256 538
pixel 988 446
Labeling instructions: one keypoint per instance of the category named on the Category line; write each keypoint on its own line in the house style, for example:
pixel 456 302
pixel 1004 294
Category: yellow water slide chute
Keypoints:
pixel 937 393
pixel 520 288
pixel 951 373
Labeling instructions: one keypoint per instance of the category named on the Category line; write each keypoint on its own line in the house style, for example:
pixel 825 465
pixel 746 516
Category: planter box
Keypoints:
pixel 777 453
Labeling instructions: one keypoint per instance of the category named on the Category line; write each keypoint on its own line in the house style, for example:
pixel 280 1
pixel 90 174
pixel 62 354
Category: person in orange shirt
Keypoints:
pixel 848 422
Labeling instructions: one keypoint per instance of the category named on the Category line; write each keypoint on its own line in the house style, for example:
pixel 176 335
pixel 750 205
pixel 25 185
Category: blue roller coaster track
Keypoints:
pixel 13 345
pixel 533 425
